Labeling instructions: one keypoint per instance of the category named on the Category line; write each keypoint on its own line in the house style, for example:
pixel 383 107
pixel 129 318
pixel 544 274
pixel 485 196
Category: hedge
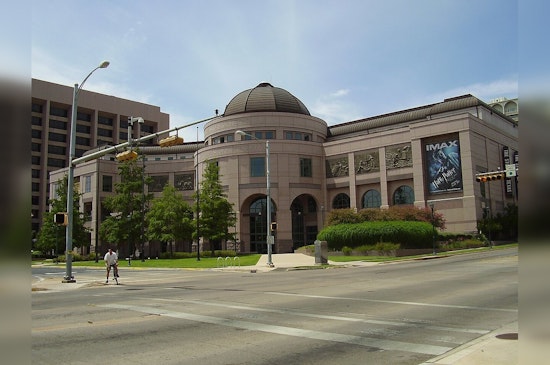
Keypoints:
pixel 408 234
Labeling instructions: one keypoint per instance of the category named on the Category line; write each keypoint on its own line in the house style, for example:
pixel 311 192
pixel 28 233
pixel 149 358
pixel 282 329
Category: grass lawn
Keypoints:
pixel 188 263
pixel 250 260
pixel 344 258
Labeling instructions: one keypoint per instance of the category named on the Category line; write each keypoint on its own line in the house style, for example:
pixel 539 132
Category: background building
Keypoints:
pixel 101 120
pixel 509 107
pixel 423 156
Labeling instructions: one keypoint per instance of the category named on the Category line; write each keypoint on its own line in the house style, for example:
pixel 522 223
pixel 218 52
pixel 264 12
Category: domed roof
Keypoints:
pixel 265 98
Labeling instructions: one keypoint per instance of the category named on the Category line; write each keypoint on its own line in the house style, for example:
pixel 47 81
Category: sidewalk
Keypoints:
pixel 498 347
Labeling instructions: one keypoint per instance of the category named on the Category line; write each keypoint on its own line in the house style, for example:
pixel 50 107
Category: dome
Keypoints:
pixel 265 98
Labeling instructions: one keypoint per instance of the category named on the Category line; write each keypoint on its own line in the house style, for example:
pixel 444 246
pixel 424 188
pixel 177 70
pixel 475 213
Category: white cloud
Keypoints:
pixel 335 108
pixel 339 93
pixel 485 91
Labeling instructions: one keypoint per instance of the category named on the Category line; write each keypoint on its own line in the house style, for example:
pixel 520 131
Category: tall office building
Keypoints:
pixel 101 120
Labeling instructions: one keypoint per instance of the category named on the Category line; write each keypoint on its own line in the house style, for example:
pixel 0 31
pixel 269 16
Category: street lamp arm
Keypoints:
pixel 103 64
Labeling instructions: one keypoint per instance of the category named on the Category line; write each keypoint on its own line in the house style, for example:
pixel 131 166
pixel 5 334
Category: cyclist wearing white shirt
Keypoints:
pixel 111 260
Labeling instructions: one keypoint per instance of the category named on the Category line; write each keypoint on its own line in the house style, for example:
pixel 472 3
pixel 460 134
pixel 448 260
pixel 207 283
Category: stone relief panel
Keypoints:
pixel 399 156
pixel 184 182
pixel 338 167
pixel 367 161
pixel 158 183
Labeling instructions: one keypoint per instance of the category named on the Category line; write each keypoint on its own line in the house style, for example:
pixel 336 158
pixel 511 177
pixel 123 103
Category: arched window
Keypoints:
pixel 498 107
pixel 258 224
pixel 341 201
pixel 403 195
pixel 371 199
pixel 510 107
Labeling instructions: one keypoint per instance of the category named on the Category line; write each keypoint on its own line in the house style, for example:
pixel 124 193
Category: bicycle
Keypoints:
pixel 113 269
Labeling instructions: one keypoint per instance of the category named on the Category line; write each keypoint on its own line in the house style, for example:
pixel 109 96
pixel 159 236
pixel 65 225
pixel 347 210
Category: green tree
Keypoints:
pixel 170 218
pixel 127 207
pixel 53 236
pixel 216 212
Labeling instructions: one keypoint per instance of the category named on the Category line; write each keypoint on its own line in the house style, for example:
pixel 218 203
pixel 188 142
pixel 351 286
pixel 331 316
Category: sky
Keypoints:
pixel 345 60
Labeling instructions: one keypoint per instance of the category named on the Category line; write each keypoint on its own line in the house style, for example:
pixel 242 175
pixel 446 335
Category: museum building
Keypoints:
pixel 423 157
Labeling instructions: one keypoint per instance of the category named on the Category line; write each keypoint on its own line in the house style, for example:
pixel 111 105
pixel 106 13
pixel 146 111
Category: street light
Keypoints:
pixel 433 228
pixel 70 183
pixel 269 239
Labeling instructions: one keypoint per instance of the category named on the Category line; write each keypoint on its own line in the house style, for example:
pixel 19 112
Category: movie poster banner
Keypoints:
pixel 443 165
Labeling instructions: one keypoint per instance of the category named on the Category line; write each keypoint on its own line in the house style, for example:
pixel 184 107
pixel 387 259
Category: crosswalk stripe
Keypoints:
pixel 290 331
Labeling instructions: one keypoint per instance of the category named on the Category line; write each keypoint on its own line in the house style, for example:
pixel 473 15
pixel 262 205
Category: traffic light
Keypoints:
pixel 170 141
pixel 490 176
pixel 273 226
pixel 126 155
pixel 60 219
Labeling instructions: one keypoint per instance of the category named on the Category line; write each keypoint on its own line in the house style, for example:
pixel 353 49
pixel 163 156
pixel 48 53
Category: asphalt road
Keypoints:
pixel 398 313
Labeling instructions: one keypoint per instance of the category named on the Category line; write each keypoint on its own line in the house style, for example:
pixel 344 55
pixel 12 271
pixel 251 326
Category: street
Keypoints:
pixel 392 313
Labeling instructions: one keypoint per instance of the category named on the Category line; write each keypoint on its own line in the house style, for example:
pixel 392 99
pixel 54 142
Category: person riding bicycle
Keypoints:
pixel 111 260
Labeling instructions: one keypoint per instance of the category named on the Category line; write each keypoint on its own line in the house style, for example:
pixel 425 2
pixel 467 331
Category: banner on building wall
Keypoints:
pixel 443 164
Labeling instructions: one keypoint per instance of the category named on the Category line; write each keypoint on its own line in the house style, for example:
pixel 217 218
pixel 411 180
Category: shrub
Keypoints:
pixel 394 213
pixel 407 234
pixel 340 216
pixel 346 251
pixel 462 244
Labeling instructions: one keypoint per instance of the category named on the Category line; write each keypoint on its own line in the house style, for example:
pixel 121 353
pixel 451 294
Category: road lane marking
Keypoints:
pixel 397 302
pixel 290 331
pixel 324 316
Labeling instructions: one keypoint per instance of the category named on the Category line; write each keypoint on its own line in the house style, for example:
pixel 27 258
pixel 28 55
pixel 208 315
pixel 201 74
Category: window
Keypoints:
pixel 123 136
pixel 35 147
pixel 104 120
pixel 57 137
pixel 107 183
pixel 37 108
pixel 147 128
pixel 83 128
pixel 158 183
pixel 257 166
pixel 298 136
pixel 56 162
pixel 57 150
pixel 35 186
pixel 305 167
pixel 58 124
pixel 87 183
pixel 311 205
pixel 35 160
pixel 104 132
pixel 88 211
pixel 259 135
pixel 403 195
pixel 371 199
pixel 35 173
pixel 83 141
pixel 341 201
pixel 58 112
pixel 510 107
pixel 84 117
pixel 36 121
pixel 36 134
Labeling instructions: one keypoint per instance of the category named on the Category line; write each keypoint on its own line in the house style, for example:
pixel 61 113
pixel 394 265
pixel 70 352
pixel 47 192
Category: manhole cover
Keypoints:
pixel 508 336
